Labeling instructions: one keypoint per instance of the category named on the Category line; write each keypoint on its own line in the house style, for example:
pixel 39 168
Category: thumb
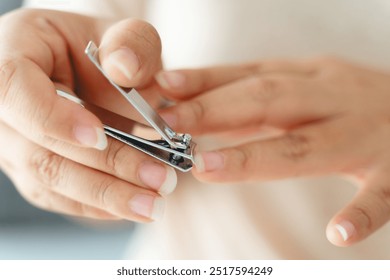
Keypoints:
pixel 130 52
pixel 367 212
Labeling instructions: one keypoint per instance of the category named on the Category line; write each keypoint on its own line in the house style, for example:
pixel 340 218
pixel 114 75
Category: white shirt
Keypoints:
pixel 278 220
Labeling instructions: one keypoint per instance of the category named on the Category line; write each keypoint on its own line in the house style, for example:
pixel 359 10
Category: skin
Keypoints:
pixel 43 50
pixel 332 117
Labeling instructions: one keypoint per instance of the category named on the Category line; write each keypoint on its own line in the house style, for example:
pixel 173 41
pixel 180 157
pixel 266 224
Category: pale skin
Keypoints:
pixel 54 150
pixel 333 117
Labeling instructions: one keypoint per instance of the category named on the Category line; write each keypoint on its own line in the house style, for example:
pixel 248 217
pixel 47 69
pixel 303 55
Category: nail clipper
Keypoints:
pixel 174 149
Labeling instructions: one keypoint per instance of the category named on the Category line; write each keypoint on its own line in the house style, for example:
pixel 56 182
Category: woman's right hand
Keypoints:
pixel 54 150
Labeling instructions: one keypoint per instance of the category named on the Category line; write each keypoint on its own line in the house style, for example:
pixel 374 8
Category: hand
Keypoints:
pixel 54 150
pixel 333 115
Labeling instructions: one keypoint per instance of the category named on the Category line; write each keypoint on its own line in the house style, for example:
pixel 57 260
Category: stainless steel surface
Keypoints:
pixel 122 129
pixel 149 114
pixel 179 159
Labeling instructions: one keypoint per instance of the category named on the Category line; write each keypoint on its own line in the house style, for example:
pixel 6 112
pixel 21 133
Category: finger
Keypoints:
pixel 366 213
pixel 277 101
pixel 37 195
pixel 123 162
pixel 118 159
pixel 310 150
pixel 34 109
pixel 45 199
pixel 28 101
pixel 92 187
pixel 184 84
pixel 32 163
pixel 130 52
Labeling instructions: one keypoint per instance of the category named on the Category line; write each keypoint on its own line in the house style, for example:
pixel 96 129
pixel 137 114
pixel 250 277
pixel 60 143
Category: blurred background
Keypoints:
pixel 29 233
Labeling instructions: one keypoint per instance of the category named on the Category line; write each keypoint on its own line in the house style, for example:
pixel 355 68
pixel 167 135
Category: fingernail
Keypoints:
pixel 208 161
pixel 90 136
pixel 170 119
pixel 147 206
pixel 172 79
pixel 123 60
pixel 345 229
pixel 159 177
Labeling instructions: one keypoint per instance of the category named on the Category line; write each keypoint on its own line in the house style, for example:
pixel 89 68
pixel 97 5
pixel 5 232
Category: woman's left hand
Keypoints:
pixel 335 118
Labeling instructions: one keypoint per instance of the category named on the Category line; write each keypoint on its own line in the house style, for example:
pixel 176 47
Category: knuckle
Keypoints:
pixel 264 89
pixel 113 157
pixel 253 68
pixel 294 147
pixel 101 191
pixel 243 160
pixel 47 167
pixel 197 110
pixel 364 214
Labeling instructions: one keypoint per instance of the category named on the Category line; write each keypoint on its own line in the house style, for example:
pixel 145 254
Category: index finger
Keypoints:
pixel 187 83
pixel 32 52
pixel 29 103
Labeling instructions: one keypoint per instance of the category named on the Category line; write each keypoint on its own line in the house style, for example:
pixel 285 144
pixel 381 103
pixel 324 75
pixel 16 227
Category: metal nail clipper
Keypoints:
pixel 174 149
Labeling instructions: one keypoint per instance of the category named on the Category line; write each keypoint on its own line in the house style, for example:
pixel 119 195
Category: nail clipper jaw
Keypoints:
pixel 183 141
pixel 176 156
pixel 181 159
pixel 177 159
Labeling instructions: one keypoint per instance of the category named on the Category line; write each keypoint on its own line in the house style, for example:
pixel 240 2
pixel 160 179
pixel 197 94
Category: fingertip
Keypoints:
pixel 201 170
pixel 90 136
pixel 199 163
pixel 72 123
pixel 209 161
pixel 101 143
pixel 147 206
pixel 341 233
pixel 170 182
pixel 366 213
pixel 171 80
pixel 158 177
